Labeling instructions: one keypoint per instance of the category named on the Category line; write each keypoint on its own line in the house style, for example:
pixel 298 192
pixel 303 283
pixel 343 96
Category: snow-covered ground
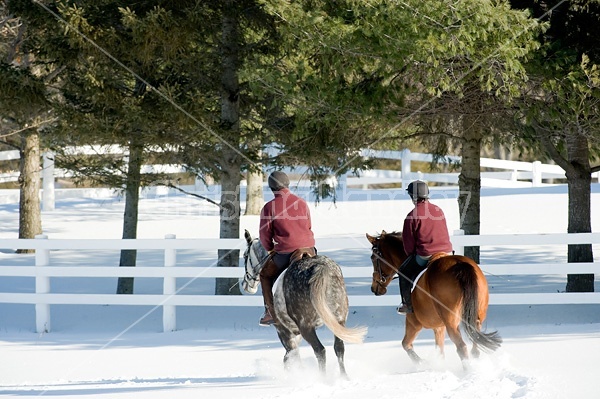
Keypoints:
pixel 550 351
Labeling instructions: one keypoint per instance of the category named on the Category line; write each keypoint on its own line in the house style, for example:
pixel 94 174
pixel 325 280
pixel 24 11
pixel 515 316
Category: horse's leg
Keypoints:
pixel 439 333
pixel 339 349
pixel 310 335
pixel 290 343
pixel 413 327
pixel 456 337
pixel 291 358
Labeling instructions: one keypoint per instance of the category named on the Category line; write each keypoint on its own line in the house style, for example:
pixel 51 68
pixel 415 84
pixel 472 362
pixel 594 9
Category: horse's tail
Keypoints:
pixel 467 278
pixel 327 278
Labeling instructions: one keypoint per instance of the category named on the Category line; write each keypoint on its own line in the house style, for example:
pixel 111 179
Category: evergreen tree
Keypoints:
pixel 561 109
pixel 362 74
pixel 240 38
pixel 116 89
pixel 331 84
pixel 25 110
pixel 470 64
pixel 161 81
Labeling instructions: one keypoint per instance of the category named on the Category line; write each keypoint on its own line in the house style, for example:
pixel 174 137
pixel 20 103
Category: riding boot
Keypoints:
pixel 405 288
pixel 408 271
pixel 268 274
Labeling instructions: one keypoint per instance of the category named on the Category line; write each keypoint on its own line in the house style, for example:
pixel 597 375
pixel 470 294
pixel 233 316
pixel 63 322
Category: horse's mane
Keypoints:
pixel 256 242
pixel 393 236
pixel 393 240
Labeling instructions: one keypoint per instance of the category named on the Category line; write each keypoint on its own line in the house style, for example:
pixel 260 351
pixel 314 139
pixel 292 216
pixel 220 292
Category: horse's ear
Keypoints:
pixel 371 238
pixel 247 236
pixel 383 232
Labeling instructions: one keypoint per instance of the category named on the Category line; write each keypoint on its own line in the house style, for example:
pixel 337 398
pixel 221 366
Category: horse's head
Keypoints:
pixel 387 254
pixel 255 256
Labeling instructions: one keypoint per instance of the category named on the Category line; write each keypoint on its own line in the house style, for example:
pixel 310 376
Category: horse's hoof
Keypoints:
pixel 467 366
pixel 414 357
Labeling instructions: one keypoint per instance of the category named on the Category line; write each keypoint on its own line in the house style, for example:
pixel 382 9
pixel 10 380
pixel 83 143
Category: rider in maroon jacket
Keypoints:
pixel 425 233
pixel 285 226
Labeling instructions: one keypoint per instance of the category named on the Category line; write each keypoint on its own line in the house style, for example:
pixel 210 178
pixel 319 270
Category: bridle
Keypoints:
pixel 251 256
pixel 382 278
pixel 252 266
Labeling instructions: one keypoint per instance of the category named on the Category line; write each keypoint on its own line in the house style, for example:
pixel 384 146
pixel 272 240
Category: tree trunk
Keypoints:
pixel 130 217
pixel 231 159
pixel 30 219
pixel 469 185
pixel 254 192
pixel 229 223
pixel 579 179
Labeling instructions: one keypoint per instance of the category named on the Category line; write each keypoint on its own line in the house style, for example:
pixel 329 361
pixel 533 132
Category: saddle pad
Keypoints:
pixel 416 280
pixel 276 284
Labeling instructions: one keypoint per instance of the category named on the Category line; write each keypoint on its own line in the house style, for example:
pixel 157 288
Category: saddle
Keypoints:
pixel 302 253
pixel 435 257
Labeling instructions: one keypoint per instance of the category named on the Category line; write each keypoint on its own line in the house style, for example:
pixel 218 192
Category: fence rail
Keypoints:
pixel 510 174
pixel 42 271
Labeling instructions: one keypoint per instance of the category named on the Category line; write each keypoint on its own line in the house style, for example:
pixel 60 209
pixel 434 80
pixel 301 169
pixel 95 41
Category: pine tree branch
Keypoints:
pixel 171 185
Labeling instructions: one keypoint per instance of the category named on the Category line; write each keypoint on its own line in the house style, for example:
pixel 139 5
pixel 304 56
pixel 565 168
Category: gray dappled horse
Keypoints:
pixel 309 293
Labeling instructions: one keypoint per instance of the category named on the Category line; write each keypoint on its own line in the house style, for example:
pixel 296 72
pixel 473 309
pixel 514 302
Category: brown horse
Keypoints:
pixel 453 290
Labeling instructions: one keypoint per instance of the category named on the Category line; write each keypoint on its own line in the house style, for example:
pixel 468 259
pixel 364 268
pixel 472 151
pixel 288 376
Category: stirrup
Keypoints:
pixel 266 320
pixel 403 309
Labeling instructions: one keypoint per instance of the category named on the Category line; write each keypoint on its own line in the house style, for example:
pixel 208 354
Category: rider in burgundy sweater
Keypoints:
pixel 425 233
pixel 285 226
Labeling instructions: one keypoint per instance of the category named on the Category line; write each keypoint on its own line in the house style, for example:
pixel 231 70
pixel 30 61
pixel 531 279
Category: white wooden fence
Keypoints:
pixel 510 174
pixel 42 271
pixel 49 173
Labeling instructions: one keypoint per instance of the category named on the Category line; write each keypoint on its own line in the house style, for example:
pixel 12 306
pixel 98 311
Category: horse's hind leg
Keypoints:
pixel 461 347
pixel 339 349
pixel 413 327
pixel 289 340
pixel 310 335
pixel 439 334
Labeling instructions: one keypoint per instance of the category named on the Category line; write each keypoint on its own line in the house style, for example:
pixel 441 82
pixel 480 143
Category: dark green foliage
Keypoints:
pixel 560 111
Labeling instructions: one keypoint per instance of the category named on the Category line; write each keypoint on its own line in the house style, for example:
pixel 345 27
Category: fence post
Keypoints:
pixel 406 172
pixel 170 288
pixel 459 250
pixel 341 186
pixel 536 170
pixel 42 286
pixel 48 182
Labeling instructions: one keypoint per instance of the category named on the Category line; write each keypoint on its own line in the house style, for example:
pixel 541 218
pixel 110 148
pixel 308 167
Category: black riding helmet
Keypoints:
pixel 278 180
pixel 418 190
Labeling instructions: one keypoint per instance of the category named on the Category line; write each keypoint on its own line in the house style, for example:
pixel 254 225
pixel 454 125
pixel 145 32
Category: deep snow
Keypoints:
pixel 549 351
